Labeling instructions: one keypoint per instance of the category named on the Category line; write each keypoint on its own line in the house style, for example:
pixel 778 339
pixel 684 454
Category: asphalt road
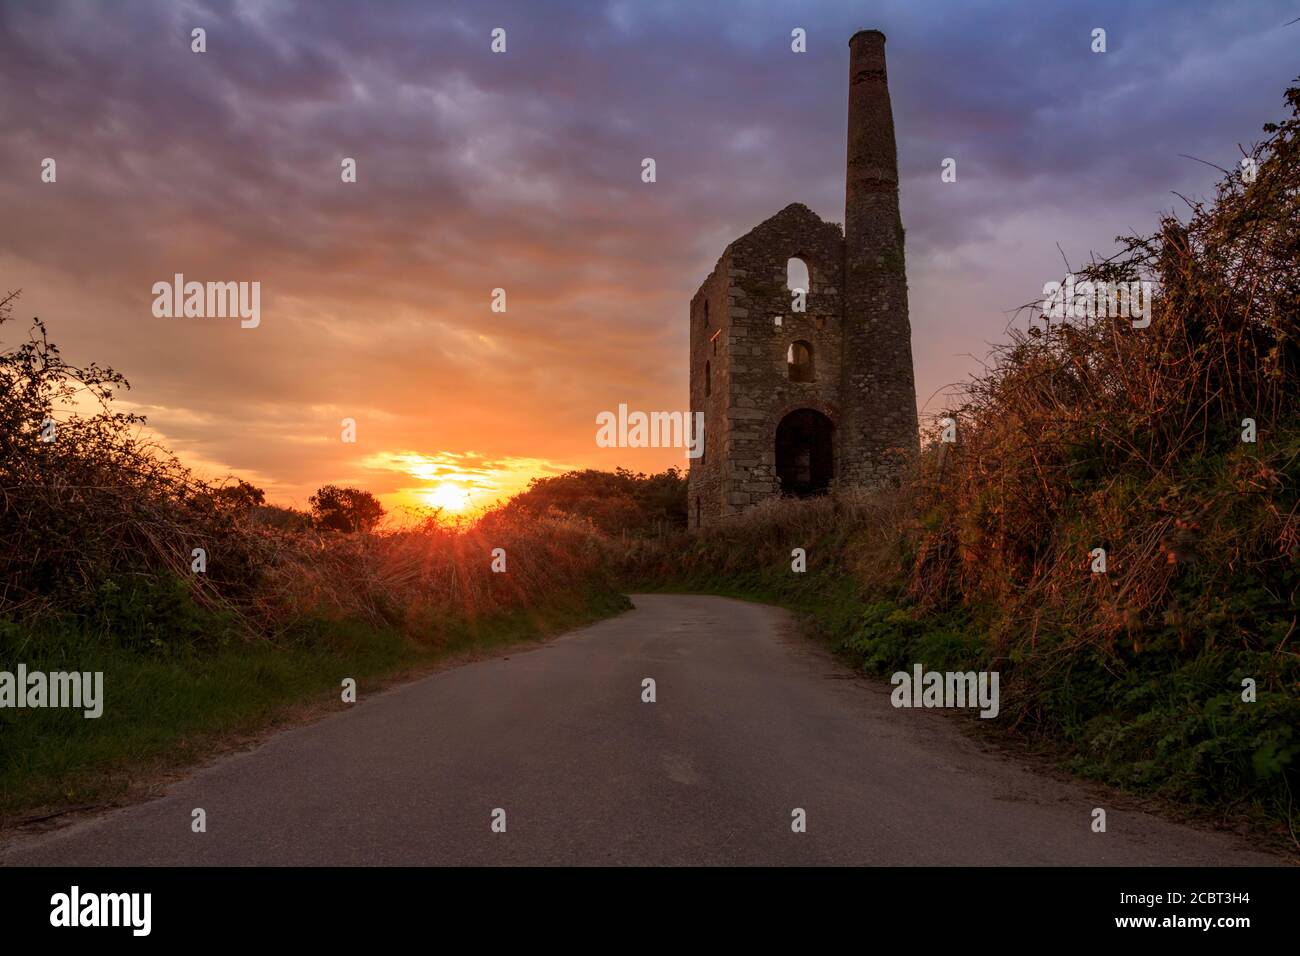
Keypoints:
pixel 751 721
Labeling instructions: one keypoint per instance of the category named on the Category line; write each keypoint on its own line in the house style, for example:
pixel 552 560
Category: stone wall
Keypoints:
pixel 750 384
pixel 709 337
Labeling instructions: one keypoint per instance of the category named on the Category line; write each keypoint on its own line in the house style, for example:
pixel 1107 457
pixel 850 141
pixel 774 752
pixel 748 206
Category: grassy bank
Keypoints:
pixel 175 704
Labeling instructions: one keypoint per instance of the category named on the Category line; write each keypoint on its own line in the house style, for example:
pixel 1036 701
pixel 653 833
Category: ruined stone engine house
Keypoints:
pixel 799 403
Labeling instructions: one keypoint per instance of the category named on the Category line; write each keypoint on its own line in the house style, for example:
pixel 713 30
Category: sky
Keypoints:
pixel 522 171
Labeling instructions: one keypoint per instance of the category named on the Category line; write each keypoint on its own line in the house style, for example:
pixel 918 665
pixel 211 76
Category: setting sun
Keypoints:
pixel 455 482
pixel 448 497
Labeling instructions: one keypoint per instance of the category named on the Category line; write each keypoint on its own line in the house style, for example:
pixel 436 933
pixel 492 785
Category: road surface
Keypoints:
pixel 751 722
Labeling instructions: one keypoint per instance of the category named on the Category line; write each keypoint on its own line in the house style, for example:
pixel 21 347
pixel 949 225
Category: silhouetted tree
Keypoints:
pixel 345 509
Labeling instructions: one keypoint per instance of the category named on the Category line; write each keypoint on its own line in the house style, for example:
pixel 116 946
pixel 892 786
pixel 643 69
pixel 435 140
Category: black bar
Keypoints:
pixel 330 906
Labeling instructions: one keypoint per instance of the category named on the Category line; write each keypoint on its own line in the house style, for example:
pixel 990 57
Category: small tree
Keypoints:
pixel 240 496
pixel 345 509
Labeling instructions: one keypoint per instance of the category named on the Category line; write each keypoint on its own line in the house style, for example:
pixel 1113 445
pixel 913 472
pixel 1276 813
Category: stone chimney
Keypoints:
pixel 879 427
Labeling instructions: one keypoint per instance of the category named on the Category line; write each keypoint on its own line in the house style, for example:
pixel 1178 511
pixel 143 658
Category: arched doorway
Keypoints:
pixel 805 456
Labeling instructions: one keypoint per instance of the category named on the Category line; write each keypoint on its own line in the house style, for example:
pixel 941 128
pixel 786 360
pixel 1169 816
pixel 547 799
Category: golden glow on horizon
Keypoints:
pixel 458 483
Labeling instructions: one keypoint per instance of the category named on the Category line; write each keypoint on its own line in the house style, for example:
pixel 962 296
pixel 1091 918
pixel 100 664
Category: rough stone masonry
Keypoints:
pixel 804 402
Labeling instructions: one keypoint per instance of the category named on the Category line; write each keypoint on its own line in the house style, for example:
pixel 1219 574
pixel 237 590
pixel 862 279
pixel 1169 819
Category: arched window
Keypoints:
pixel 797 275
pixel 708 380
pixel 799 362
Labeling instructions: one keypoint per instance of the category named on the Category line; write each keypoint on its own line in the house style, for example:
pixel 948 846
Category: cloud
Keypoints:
pixel 478 171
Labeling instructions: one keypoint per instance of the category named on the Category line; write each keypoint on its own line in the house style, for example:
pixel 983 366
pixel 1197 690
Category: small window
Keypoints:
pixel 706 311
pixel 708 380
pixel 797 275
pixel 799 362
